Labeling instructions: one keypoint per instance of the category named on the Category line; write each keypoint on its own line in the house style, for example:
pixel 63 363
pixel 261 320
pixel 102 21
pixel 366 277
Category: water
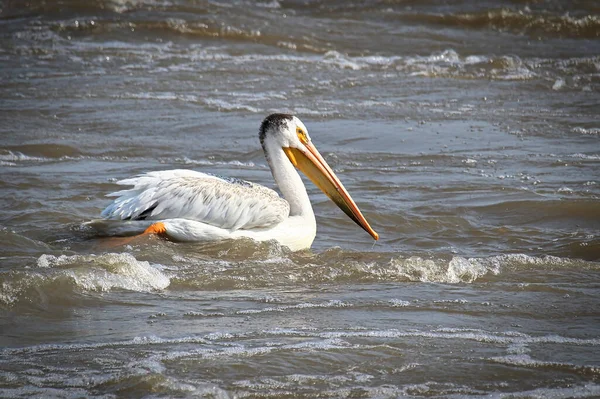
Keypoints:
pixel 468 134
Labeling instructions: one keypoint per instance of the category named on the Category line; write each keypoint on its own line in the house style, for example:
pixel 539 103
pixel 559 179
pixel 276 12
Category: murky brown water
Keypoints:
pixel 468 133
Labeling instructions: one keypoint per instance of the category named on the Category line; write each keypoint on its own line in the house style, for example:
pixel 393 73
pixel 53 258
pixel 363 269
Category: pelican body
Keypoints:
pixel 186 205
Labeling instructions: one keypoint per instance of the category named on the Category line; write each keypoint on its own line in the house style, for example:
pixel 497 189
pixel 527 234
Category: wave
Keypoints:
pixel 446 63
pixel 207 28
pixel 584 131
pixel 525 361
pixel 535 22
pixel 519 21
pixel 32 155
pixel 36 153
pixel 211 103
pixel 504 338
pixel 10 158
pixel 296 48
pixel 155 359
pixel 80 273
pixel 13 157
pixel 246 265
pixel 18 158
pixel 558 74
pixel 573 73
pixel 329 334
pixel 329 304
pixel 204 162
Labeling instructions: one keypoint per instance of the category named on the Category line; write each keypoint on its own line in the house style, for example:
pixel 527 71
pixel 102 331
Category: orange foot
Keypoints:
pixel 157 228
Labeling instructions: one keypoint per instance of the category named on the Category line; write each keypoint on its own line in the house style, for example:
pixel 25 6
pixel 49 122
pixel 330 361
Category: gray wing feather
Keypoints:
pixel 223 202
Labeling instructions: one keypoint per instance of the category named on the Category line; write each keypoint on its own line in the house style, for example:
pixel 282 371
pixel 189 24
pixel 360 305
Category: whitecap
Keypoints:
pixel 504 338
pixel 204 162
pixel 398 303
pixel 586 157
pixel 222 105
pixel 328 304
pixel 524 360
pixel 338 59
pixel 457 270
pixel 11 157
pixel 558 84
pixel 106 272
pixel 594 131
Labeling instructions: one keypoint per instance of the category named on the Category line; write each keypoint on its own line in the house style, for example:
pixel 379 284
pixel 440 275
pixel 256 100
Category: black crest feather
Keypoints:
pixel 272 121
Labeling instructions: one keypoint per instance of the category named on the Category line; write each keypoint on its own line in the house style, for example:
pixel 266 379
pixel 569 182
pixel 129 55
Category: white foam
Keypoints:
pixel 144 340
pixel 558 84
pixel 589 390
pixel 271 4
pixel 202 314
pixel 223 105
pixel 106 272
pixel 447 62
pixel 586 156
pixel 457 270
pixel 238 350
pixel 591 131
pixel 47 392
pixel 168 96
pixel 565 190
pixel 189 161
pixel 11 291
pixel 450 56
pixel 524 360
pixel 12 157
pixel 459 301
pixel 329 304
pixel 504 338
pixel 398 303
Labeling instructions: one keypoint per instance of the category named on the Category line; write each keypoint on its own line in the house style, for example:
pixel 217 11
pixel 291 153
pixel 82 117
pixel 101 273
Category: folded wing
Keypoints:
pixel 222 202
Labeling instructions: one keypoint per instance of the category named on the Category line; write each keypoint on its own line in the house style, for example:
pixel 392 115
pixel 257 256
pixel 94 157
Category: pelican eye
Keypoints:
pixel 302 135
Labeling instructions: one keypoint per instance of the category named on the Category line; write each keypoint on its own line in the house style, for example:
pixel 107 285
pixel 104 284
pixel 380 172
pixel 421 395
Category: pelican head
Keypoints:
pixel 289 133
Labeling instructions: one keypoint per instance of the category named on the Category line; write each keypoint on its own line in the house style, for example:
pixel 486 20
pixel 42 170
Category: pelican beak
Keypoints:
pixel 312 164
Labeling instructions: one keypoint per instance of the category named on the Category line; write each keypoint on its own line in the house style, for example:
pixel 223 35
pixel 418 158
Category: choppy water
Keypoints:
pixel 468 133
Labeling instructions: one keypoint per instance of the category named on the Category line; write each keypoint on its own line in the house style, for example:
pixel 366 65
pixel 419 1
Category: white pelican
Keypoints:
pixel 192 206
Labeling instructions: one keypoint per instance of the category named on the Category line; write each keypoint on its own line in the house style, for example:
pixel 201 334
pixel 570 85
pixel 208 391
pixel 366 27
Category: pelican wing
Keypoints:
pixel 222 202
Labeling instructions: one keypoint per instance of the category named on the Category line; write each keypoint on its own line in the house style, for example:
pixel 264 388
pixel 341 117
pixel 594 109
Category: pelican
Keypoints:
pixel 186 205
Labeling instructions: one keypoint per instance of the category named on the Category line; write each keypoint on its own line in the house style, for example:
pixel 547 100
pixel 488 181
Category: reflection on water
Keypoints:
pixel 466 133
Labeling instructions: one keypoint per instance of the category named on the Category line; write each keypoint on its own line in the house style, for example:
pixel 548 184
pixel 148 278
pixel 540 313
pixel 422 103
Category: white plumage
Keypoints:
pixel 226 203
pixel 186 205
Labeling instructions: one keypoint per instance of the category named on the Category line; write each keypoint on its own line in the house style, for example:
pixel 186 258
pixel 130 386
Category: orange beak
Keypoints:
pixel 312 164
